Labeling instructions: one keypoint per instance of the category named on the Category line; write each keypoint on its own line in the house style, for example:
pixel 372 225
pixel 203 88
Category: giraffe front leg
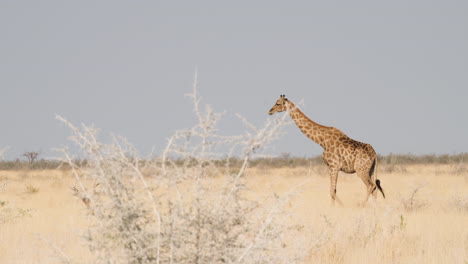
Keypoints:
pixel 333 181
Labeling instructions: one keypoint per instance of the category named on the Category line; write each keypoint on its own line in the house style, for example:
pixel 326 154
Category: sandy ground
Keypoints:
pixel 40 219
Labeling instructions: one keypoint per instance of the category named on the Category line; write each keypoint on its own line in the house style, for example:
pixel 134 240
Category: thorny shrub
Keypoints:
pixel 173 209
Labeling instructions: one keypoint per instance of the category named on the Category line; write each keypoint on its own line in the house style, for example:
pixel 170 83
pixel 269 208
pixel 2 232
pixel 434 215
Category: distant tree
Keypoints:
pixel 31 156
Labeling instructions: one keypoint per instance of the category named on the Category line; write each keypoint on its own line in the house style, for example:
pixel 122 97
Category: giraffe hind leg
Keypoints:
pixel 374 193
pixel 370 186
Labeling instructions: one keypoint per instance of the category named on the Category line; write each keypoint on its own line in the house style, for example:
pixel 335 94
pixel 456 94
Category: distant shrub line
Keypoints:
pixel 284 160
pixel 26 165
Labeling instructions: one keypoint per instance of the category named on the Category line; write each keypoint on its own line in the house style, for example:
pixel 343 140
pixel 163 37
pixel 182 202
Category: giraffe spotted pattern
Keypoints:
pixel 341 153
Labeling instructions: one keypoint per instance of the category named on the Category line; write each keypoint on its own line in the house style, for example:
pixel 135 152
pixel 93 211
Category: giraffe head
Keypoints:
pixel 280 105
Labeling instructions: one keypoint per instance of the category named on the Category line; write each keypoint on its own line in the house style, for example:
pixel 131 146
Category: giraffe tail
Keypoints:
pixel 374 176
pixel 377 182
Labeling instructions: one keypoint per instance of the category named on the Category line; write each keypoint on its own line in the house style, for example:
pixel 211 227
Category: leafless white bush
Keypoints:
pixel 2 152
pixel 189 205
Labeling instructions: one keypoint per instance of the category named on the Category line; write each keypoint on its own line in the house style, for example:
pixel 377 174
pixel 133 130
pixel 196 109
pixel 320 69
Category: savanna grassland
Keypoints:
pixel 212 198
pixel 422 220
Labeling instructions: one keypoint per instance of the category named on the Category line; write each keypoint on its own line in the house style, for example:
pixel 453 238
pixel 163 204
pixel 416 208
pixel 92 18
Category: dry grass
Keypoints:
pixel 34 223
pixel 52 213
pixel 192 205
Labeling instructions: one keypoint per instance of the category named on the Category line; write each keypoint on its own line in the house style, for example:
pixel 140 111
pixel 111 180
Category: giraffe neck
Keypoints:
pixel 312 130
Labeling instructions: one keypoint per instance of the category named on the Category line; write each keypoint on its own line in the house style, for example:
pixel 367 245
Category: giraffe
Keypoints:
pixel 341 153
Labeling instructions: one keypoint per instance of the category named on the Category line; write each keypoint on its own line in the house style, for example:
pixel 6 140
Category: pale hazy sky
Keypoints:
pixel 390 73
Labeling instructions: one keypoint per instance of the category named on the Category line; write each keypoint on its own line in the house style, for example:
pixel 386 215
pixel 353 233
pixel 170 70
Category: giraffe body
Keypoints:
pixel 341 153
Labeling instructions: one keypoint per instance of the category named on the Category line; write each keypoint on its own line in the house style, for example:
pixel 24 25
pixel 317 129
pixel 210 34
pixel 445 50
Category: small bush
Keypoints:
pixel 9 214
pixel 411 203
pixel 31 189
pixel 460 202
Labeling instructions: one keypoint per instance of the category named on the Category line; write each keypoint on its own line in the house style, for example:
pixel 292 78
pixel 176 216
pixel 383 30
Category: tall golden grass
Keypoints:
pixel 423 220
pixel 201 203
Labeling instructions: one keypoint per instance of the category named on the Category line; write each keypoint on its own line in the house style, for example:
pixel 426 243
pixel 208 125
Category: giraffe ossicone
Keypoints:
pixel 341 153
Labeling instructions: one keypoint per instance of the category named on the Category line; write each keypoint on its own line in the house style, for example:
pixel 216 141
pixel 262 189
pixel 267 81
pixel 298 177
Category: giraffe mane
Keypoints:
pixel 306 117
